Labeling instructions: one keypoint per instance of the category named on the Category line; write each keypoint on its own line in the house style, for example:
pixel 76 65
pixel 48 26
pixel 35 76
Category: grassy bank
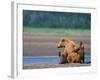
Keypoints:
pixel 57 31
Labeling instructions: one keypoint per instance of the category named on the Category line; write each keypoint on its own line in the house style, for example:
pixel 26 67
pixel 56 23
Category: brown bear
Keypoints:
pixel 68 46
pixel 71 54
pixel 80 51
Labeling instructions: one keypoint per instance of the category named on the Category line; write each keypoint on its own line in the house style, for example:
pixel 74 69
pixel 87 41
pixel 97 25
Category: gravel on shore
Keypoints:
pixel 52 65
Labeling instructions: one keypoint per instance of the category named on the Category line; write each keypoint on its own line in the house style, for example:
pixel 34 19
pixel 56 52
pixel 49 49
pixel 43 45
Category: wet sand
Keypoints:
pixel 53 65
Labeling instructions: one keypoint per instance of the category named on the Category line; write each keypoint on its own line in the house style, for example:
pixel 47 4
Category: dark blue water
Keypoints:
pixel 30 59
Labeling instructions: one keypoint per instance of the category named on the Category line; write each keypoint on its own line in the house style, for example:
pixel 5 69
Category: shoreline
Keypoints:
pixel 53 65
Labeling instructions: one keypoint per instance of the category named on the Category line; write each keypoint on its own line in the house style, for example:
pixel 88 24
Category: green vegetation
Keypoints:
pixel 57 23
pixel 46 19
pixel 58 31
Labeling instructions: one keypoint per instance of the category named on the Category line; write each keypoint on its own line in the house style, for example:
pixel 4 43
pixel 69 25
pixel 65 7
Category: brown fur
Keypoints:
pixel 73 57
pixel 80 51
pixel 69 46
pixel 71 54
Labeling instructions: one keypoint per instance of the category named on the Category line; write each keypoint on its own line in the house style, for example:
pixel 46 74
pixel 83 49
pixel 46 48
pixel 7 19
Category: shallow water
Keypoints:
pixel 49 59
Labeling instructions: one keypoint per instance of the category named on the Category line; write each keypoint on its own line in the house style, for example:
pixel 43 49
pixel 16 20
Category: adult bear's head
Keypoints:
pixel 63 42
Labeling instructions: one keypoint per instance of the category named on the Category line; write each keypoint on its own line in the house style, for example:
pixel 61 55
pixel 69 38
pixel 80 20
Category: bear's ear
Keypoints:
pixel 63 40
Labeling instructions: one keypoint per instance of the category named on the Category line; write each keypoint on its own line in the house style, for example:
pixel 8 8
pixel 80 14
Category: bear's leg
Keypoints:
pixel 69 59
pixel 63 58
